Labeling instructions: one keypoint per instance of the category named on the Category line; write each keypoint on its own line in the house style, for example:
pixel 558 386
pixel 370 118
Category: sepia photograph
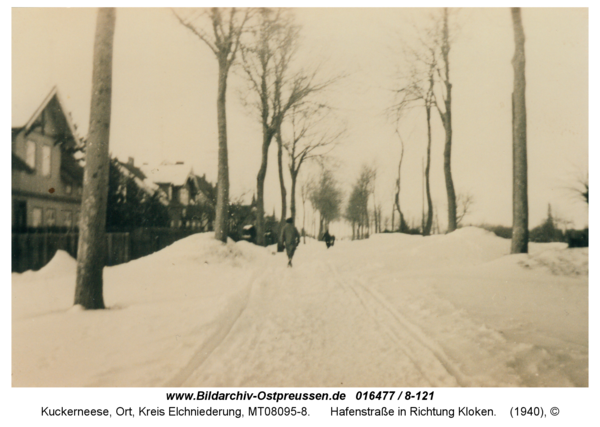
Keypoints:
pixel 299 197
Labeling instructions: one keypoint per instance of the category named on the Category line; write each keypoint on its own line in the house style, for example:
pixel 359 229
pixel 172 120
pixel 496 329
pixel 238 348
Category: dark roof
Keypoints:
pixel 204 185
pixel 206 188
pixel 20 165
pixel 137 172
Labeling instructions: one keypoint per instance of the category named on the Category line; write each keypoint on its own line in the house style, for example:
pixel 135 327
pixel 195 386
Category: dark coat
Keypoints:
pixel 290 237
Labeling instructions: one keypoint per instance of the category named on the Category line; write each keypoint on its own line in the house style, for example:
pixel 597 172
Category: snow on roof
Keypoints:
pixel 26 108
pixel 26 102
pixel 176 174
pixel 144 184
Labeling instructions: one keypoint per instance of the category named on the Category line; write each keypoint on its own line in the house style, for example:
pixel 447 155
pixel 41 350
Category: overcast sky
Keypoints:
pixel 164 99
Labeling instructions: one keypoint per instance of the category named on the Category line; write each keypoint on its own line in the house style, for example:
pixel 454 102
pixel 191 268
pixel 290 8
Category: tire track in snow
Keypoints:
pixel 302 329
pixel 225 322
pixel 429 358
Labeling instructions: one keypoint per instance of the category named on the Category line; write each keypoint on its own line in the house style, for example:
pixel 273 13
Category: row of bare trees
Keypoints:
pixel 267 42
pixel 280 94
pixel 357 209
pixel 426 84
pixel 264 43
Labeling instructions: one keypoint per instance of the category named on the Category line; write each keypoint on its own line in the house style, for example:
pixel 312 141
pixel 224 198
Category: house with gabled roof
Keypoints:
pixel 47 180
pixel 129 171
pixel 189 201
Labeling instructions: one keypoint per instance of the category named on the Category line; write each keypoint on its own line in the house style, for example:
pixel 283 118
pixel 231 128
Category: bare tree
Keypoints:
pixel 267 64
pixel 401 221
pixel 584 190
pixel 91 251
pixel 581 188
pixel 310 136
pixel 445 98
pixel 227 28
pixel 464 206
pixel 417 91
pixel 326 198
pixel 372 188
pixel 304 190
pixel 520 234
pixel 282 220
pixel 357 212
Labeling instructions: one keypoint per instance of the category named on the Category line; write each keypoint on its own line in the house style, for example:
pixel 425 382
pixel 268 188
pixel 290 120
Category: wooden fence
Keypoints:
pixel 32 251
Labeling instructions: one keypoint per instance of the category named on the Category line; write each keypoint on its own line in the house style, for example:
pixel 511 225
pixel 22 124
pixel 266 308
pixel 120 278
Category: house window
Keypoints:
pixel 37 217
pixel 184 196
pixel 68 219
pixel 50 217
pixel 30 155
pixel 183 212
pixel 46 160
pixel 68 189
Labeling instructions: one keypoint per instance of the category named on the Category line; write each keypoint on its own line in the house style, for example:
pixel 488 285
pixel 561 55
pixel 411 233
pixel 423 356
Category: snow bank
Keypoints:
pixel 204 248
pixel 465 246
pixel 160 309
pixel 562 261
pixel 532 309
pixel 393 310
pixel 61 264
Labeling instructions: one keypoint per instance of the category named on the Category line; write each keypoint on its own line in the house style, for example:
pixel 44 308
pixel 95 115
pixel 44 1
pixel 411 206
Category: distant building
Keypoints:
pixel 47 180
pixel 190 197
pixel 129 171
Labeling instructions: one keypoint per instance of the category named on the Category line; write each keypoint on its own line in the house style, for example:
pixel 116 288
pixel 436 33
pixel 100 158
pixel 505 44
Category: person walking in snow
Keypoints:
pixel 290 238
pixel 327 239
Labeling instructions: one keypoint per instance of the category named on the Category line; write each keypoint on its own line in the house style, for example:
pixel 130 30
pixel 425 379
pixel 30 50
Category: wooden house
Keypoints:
pixel 46 178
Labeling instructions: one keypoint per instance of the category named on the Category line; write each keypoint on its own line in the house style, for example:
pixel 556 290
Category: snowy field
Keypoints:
pixel 393 310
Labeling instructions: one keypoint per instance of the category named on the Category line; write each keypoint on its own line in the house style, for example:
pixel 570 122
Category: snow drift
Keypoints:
pixel 393 310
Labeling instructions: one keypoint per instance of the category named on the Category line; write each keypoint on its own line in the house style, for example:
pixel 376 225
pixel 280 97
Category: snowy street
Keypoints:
pixel 393 310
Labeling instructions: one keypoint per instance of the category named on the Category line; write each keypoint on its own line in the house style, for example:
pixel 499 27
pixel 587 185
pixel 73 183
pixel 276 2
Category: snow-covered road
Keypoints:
pixel 389 311
pixel 309 326
pixel 324 323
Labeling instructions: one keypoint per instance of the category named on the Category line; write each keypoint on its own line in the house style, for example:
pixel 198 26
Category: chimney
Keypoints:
pixel 130 161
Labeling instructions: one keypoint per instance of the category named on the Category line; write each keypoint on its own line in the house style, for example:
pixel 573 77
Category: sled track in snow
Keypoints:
pixel 437 368
pixel 224 324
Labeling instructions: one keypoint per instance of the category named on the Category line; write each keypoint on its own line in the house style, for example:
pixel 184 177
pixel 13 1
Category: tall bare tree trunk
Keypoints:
pixel 262 171
pixel 223 166
pixel 520 234
pixel 401 224
pixel 447 122
pixel 224 43
pixel 91 252
pixel 303 213
pixel 429 220
pixel 293 198
pixel 260 189
pixel 282 187
pixel 321 230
